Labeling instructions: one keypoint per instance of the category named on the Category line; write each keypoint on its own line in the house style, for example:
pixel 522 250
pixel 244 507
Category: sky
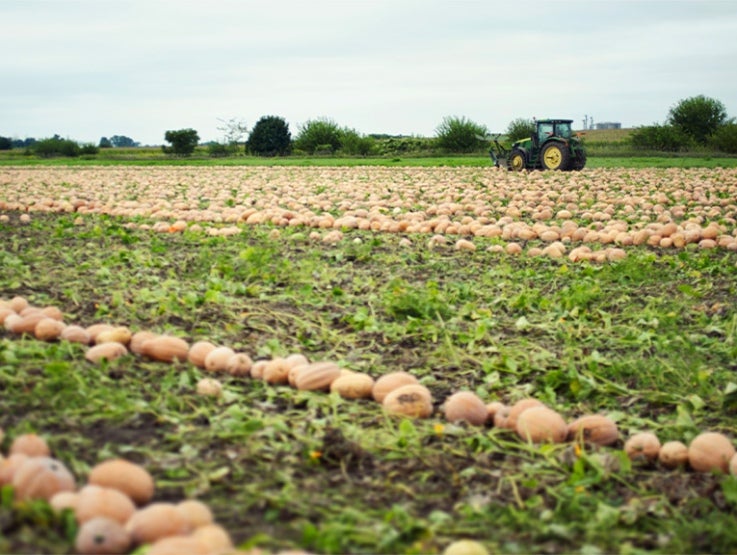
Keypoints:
pixel 85 69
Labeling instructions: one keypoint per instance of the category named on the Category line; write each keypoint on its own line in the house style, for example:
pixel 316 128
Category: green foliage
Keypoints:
pixel 218 150
pixel 121 141
pixel 6 143
pixel 666 138
pixel 520 128
pixel 105 143
pixel 183 141
pixel 353 143
pixel 270 137
pixel 699 117
pixel 318 134
pixel 88 149
pixel 56 146
pixel 459 134
pixel 725 138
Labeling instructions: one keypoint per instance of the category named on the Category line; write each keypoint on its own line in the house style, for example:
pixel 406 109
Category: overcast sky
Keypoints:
pixel 91 68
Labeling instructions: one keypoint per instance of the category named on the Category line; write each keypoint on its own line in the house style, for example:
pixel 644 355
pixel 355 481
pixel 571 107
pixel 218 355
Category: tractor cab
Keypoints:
pixel 552 146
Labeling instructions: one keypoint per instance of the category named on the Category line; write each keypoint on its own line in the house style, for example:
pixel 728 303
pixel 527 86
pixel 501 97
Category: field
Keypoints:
pixel 607 291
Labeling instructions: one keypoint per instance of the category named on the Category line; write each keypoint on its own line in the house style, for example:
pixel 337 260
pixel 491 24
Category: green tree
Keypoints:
pixel 183 141
pixel 55 146
pixel 105 143
pixel 520 128
pixel 269 137
pixel 119 141
pixel 698 117
pixel 318 134
pixel 667 138
pixel 355 144
pixel 459 134
pixel 725 138
pixel 6 143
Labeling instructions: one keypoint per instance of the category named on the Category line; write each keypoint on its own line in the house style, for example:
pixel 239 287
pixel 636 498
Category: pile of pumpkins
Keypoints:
pixel 188 526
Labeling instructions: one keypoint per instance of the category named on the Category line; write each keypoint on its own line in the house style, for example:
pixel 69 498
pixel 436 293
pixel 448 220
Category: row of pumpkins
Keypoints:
pixel 399 393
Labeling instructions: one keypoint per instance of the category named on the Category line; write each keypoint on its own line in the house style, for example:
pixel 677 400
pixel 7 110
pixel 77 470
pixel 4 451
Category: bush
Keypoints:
pixel 520 128
pixel 666 138
pixel 269 137
pixel 458 134
pixel 219 150
pixel 183 141
pixel 355 144
pixel 89 149
pixel 725 138
pixel 315 134
pixel 6 143
pixel 55 146
pixel 699 117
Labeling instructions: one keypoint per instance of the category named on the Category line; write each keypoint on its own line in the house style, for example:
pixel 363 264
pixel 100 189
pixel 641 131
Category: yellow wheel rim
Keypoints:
pixel 518 162
pixel 553 157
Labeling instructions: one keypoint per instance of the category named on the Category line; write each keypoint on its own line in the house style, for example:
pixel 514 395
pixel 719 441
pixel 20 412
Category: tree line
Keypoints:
pixel 692 123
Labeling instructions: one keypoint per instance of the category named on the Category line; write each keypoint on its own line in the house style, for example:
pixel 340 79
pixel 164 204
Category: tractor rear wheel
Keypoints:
pixel 517 161
pixel 579 160
pixel 556 156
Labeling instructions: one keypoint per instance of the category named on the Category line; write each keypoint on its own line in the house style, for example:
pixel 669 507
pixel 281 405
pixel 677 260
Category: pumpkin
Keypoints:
pixel 9 466
pixel 48 329
pixel 390 382
pixel 75 334
pixel 673 454
pixel 6 311
pixel 294 371
pixel 518 408
pixel 156 521
pixel 195 512
pixel 95 329
pixel 541 424
pixel 53 313
pixel 491 410
pixel 138 339
pixel 97 501
pixel 166 348
pixel 31 445
pixel 642 446
pixel 217 359
pixel 177 545
pixel 317 376
pixel 128 477
pixel 107 351
pixel 467 406
pixel 465 547
pixel 239 365
pixel 412 400
pixel 209 387
pixel 199 351
pixel 102 536
pixel 18 303
pixel 26 324
pixel 594 428
pixel 214 538
pixel 354 385
pixel 41 478
pixel 257 369
pixel 64 500
pixel 710 452
pixel 119 334
pixel 501 417
pixel 276 371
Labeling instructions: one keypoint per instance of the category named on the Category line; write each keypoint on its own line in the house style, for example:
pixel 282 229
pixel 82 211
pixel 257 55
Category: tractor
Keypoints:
pixel 552 146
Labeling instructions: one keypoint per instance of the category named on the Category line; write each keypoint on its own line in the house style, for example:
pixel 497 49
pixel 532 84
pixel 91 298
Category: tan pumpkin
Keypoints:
pixel 317 376
pixel 6 311
pixel 257 369
pixel 18 304
pixel 64 500
pixel 594 428
pixel 75 334
pixel 541 425
pixel 710 452
pixel 642 446
pixel 198 352
pixel 412 400
pixel 391 381
pixel 501 417
pixel 106 351
pixel 673 454
pixel 353 385
pixel 41 478
pixel 53 313
pixel 276 371
pixel 209 387
pixel 466 406
pixel 518 408
pixel 98 501
pixel 119 334
pixel 177 545
pixel 217 359
pixel 32 445
pixel 214 538
pixel 138 339
pixel 491 410
pixel 48 329
pixel 100 536
pixel 26 324
pixel 95 329
pixel 128 477
pixel 166 348
pixel 239 365
pixel 156 521
pixel 195 512
pixel 9 465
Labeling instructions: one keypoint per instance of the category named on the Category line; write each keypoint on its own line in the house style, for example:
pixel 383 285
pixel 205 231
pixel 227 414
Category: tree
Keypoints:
pixel 459 134
pixel 270 137
pixel 668 138
pixel 520 128
pixel 183 141
pixel 6 143
pixel 355 144
pixel 318 134
pixel 725 138
pixel 120 141
pixel 698 117
pixel 105 143
pixel 234 130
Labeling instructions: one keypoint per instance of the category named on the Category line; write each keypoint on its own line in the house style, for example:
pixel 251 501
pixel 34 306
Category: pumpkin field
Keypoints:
pixel 332 359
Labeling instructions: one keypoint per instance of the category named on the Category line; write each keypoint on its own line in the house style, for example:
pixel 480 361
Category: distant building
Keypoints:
pixel 609 125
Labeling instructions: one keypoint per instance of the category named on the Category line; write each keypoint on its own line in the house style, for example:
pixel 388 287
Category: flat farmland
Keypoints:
pixel 607 291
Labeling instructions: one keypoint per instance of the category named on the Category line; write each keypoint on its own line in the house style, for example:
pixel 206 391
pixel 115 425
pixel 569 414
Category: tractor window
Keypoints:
pixel 563 130
pixel 544 131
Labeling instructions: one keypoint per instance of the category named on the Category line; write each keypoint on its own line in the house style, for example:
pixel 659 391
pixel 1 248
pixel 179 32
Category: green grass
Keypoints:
pixel 651 340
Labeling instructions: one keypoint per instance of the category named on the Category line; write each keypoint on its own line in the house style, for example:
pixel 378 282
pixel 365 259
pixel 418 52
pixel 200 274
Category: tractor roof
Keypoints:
pixel 555 121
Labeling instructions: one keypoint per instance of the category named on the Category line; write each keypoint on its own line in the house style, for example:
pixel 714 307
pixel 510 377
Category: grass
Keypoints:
pixel 651 340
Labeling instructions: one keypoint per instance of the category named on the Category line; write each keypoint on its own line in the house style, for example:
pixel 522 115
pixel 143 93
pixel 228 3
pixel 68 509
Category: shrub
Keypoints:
pixel 699 117
pixel 315 134
pixel 89 149
pixel 355 144
pixel 183 141
pixel 218 150
pixel 459 134
pixel 55 146
pixel 667 138
pixel 6 143
pixel 520 128
pixel 725 138
pixel 269 137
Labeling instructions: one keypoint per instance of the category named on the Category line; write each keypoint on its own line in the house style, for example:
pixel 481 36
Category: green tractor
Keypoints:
pixel 552 146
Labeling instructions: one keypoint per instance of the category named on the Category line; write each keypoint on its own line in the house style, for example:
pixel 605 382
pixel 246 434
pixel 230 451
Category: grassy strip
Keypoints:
pixel 651 340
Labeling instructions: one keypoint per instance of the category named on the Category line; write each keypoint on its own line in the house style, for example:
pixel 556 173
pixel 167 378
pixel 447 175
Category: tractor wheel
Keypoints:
pixel 556 156
pixel 579 160
pixel 517 161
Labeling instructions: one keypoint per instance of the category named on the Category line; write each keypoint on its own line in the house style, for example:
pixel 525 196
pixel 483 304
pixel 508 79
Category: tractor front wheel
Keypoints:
pixel 556 156
pixel 517 161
